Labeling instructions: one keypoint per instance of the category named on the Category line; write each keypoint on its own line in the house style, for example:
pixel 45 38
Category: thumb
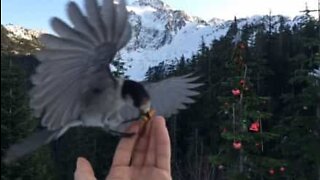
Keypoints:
pixel 84 170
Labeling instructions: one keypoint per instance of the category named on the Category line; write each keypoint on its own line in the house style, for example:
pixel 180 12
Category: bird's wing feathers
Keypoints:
pixel 168 96
pixel 76 60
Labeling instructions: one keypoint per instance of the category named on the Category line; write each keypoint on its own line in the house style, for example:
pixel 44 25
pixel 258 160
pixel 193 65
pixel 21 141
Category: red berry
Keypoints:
pixel 236 92
pixel 237 145
pixel 272 171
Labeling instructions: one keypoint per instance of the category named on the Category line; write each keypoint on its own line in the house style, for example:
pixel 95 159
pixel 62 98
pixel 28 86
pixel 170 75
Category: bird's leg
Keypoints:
pixel 130 121
pixel 144 118
pixel 114 128
pixel 121 134
pixel 118 133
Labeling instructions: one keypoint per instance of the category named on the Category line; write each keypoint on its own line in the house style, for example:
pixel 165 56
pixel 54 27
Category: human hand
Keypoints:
pixel 141 157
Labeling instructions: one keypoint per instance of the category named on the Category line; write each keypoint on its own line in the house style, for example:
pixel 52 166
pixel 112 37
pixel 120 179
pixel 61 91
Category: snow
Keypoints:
pixel 21 32
pixel 158 4
pixel 186 42
pixel 216 21
pixel 162 34
pixel 147 15
pixel 316 73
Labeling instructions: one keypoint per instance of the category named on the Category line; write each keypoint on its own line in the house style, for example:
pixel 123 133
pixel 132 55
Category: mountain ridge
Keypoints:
pixel 163 34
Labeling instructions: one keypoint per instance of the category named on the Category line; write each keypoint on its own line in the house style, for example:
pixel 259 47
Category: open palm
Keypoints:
pixel 141 157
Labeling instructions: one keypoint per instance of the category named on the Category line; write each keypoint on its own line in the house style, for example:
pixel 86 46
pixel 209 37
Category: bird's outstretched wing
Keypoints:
pixel 167 96
pixel 75 62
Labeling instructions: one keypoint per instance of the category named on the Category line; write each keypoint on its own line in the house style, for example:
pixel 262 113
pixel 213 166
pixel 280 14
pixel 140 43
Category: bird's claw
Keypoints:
pixel 122 134
pixel 145 118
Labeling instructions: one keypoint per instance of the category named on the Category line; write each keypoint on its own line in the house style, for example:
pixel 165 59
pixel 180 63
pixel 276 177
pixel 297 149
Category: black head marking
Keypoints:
pixel 136 91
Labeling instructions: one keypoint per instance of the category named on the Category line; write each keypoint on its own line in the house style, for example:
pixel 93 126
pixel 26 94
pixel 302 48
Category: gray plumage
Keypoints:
pixel 29 144
pixel 74 85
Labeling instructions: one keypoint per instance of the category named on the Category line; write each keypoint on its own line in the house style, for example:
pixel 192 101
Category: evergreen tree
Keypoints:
pixel 17 123
pixel 279 92
pixel 119 64
pixel 270 54
pixel 157 73
pixel 300 120
pixel 92 143
pixel 243 154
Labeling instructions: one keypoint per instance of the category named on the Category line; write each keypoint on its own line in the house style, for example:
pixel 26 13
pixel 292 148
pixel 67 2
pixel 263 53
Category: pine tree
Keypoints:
pixel 157 73
pixel 243 154
pixel 277 61
pixel 17 123
pixel 119 65
pixel 300 120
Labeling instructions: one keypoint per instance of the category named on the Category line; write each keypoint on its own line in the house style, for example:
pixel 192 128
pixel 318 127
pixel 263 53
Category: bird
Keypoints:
pixel 74 86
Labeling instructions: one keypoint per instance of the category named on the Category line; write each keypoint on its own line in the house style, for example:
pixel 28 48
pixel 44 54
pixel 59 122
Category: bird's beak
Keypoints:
pixel 146 107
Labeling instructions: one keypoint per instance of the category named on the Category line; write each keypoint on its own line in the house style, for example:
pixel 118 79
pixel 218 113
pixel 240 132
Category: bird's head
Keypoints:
pixel 138 94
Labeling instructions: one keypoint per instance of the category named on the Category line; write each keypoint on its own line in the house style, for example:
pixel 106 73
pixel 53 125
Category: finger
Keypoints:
pixel 163 149
pixel 84 170
pixel 140 149
pixel 151 151
pixel 123 154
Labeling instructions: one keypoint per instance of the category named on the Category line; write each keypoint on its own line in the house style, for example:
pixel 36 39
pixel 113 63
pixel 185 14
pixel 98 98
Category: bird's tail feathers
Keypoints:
pixel 28 145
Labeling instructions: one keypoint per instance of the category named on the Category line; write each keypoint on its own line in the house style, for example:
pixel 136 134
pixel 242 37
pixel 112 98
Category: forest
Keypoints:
pixel 257 116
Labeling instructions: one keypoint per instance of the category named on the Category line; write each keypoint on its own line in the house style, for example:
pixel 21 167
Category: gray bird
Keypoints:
pixel 73 85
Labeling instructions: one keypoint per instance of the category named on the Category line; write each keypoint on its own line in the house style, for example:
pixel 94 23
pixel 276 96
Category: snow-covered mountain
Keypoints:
pixel 19 40
pixel 163 34
pixel 23 33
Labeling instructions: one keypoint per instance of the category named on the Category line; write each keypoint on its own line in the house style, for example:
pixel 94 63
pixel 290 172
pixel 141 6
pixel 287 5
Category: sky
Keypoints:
pixel 35 14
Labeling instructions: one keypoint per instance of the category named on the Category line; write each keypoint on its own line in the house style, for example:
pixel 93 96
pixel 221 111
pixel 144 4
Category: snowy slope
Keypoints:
pixel 163 34
pixel 185 42
pixel 21 32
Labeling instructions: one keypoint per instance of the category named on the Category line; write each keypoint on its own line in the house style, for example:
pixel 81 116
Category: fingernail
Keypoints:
pixel 80 161
pixel 160 117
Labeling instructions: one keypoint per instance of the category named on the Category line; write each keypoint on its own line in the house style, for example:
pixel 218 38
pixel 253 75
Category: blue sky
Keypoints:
pixel 36 13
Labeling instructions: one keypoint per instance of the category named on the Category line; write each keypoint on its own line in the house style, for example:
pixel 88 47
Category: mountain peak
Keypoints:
pixel 21 32
pixel 158 35
pixel 216 21
pixel 158 4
